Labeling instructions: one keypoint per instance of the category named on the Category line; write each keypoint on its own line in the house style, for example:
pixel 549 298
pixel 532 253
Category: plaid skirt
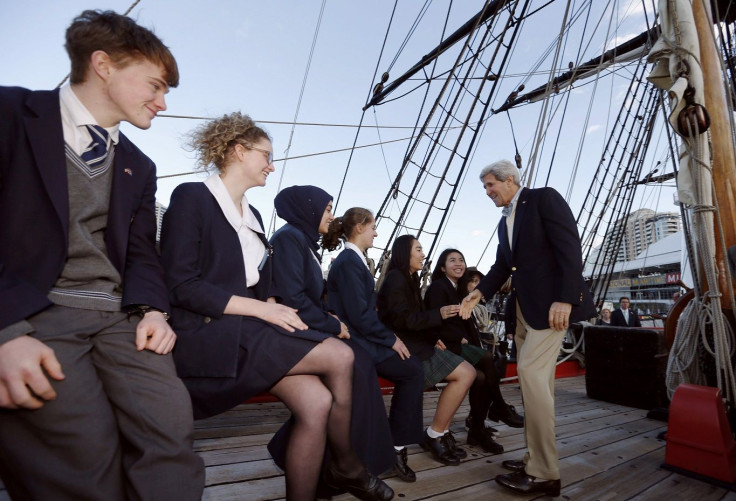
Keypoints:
pixel 472 353
pixel 439 366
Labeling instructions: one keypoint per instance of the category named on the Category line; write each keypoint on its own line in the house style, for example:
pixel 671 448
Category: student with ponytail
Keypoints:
pixel 351 295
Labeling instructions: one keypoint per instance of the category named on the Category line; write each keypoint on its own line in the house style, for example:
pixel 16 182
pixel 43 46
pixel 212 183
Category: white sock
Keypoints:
pixel 433 434
pixel 399 448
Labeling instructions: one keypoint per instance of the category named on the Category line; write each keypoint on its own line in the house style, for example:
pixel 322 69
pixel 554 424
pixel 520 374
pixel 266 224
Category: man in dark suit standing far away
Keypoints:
pixel 623 316
pixel 539 248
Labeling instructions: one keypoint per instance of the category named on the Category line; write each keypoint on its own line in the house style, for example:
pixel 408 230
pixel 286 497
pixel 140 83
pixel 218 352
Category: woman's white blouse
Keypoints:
pixel 246 226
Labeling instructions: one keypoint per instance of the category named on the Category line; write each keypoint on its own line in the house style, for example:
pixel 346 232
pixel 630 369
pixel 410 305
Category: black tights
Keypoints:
pixel 318 392
pixel 485 390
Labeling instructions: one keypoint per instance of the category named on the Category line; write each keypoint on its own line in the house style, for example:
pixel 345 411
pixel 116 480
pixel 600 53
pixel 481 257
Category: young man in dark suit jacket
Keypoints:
pixel 623 316
pixel 539 248
pixel 92 405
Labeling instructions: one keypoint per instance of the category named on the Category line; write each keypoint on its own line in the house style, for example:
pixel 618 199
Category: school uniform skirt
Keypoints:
pixel 439 366
pixel 265 355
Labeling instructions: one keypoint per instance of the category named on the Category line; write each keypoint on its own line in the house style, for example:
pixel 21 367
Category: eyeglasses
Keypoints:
pixel 269 154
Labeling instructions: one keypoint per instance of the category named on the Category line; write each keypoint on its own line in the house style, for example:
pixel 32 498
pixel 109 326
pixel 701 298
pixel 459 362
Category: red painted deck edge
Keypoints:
pixel 565 369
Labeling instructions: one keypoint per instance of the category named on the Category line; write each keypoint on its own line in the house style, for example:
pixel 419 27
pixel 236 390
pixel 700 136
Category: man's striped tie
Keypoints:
pixel 94 154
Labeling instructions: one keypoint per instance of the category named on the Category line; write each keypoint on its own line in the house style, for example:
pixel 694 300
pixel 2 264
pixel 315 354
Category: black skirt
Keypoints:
pixel 266 354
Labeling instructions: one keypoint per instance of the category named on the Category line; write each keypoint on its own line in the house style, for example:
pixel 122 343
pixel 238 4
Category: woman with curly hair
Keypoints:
pixel 232 341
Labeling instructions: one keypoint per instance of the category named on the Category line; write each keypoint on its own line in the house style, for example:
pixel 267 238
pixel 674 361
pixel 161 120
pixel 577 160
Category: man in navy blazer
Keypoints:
pixel 539 248
pixel 92 405
pixel 623 316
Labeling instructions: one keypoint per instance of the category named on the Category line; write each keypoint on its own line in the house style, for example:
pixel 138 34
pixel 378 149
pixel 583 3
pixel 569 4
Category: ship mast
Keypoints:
pixel 724 160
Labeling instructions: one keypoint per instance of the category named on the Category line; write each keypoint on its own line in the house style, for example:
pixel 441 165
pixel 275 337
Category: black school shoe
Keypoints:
pixel 402 468
pixel 507 414
pixel 366 486
pixel 458 451
pixel 440 450
pixel 484 438
pixel 520 482
pixel 469 425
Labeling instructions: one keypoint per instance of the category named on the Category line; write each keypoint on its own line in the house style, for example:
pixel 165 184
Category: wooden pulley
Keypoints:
pixel 696 116
pixel 693 118
pixel 379 86
pixel 517 158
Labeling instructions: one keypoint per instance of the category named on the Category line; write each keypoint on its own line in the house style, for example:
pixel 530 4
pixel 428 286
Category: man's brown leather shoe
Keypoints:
pixel 519 481
pixel 513 465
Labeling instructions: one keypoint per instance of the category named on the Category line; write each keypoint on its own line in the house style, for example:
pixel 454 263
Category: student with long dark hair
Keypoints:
pixel 233 343
pixel 462 338
pixel 401 308
pixel 298 283
pixel 351 294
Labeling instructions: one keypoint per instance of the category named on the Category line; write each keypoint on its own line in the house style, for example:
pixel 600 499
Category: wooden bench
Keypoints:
pixel 566 369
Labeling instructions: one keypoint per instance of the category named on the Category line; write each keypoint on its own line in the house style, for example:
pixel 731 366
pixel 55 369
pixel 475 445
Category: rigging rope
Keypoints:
pixel 304 156
pixel 362 115
pixel 316 124
pixel 272 223
pixel 583 136
pixel 533 159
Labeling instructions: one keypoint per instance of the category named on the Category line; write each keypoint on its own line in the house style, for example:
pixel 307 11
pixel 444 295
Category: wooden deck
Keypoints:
pixel 607 452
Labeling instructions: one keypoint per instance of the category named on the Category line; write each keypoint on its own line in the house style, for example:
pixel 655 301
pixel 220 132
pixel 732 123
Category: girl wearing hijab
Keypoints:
pixel 298 283
pixel 232 343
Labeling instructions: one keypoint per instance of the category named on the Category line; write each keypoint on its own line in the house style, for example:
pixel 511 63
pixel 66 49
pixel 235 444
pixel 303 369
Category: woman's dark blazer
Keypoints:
pixel 297 278
pixel 400 307
pixel 203 262
pixel 351 295
pixel 452 331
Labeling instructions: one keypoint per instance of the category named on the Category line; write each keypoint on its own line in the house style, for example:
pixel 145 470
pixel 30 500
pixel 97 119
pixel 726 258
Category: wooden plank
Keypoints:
pixel 256 490
pixel 622 440
pixel 681 487
pixel 238 472
pixel 641 473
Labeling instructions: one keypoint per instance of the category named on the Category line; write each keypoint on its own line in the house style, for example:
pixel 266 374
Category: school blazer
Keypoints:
pixel 203 263
pixel 297 279
pixel 452 331
pixel 400 307
pixel 351 295
pixel 544 261
pixel 34 209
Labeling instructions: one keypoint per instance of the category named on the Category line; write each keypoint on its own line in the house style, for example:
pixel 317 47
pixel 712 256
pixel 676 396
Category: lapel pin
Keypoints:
pixel 128 172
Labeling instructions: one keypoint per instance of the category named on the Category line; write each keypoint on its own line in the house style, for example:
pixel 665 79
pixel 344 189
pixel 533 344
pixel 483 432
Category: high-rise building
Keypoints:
pixel 642 228
pixel 631 236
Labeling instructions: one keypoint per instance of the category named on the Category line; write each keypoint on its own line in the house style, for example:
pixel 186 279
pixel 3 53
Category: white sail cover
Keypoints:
pixel 675 55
